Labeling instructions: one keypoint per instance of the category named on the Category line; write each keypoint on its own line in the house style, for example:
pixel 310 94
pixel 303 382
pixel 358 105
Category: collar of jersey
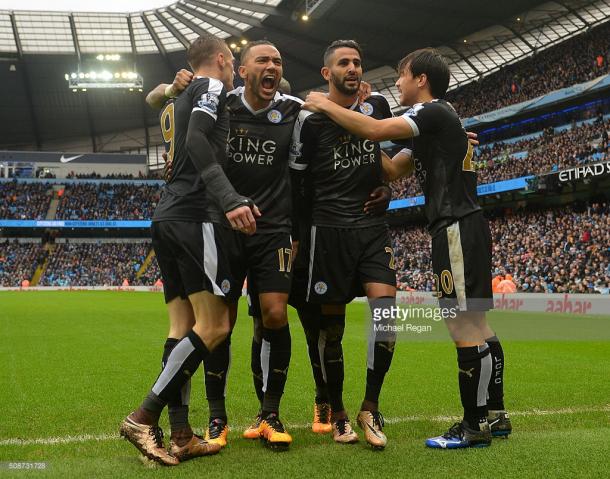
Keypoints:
pixel 252 110
pixel 353 107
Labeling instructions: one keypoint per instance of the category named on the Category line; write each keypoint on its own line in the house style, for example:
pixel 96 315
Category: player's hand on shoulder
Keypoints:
pixel 315 101
pixel 181 81
pixel 243 218
pixel 364 92
pixel 379 200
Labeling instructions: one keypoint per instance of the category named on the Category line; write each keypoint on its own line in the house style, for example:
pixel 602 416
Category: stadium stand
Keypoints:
pixel 106 201
pixel 558 250
pixel 576 60
pixel 97 264
pixel 24 201
pixel 18 261
pixel 550 150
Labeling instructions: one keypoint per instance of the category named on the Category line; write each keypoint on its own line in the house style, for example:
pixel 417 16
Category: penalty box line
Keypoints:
pixel 81 438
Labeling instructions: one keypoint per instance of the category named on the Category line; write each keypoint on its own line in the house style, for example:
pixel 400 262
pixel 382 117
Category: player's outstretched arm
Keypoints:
pixel 240 211
pixel 163 92
pixel 357 123
pixel 399 166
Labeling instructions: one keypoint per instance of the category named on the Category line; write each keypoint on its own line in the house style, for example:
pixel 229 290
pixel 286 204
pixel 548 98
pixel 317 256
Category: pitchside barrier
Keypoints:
pixel 529 302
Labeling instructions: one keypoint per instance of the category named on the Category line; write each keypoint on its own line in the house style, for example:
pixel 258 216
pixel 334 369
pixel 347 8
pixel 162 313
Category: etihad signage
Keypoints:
pixel 586 171
pixel 48 158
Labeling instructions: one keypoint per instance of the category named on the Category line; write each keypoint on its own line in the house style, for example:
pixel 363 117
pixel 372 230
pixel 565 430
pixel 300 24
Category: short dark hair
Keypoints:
pixel 203 50
pixel 330 49
pixel 245 50
pixel 430 62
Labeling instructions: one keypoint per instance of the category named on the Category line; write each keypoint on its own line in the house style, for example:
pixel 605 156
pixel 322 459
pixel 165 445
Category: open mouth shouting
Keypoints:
pixel 269 83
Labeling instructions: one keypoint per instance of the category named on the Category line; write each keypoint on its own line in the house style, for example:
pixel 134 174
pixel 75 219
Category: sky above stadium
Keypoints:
pixel 84 6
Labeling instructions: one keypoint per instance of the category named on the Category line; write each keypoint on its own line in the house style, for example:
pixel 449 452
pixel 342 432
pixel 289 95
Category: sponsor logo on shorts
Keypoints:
pixel 274 116
pixel 225 286
pixel 320 287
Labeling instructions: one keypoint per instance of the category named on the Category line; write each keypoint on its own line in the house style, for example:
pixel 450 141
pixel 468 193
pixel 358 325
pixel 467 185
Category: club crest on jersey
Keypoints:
pixel 320 287
pixel 225 286
pixel 366 108
pixel 274 116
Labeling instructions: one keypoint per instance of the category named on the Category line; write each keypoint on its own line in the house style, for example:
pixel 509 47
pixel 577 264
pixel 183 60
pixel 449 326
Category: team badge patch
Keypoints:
pixel 366 108
pixel 225 286
pixel 320 287
pixel 209 102
pixel 274 116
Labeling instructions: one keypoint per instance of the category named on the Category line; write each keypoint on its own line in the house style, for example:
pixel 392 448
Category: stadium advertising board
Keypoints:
pixel 583 172
pixel 54 158
pixel 531 302
pixel 482 190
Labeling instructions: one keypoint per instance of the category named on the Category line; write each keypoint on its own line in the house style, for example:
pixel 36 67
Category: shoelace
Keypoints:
pixel 157 433
pixel 216 428
pixel 274 423
pixel 323 412
pixel 378 419
pixel 454 431
pixel 342 426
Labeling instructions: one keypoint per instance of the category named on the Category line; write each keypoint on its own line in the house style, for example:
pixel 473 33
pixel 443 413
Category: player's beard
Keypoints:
pixel 340 85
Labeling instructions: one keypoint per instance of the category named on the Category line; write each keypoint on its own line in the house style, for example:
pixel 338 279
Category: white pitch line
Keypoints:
pixel 49 441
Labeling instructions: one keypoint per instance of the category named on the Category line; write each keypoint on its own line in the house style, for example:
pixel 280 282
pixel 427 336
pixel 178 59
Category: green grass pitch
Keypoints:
pixel 73 364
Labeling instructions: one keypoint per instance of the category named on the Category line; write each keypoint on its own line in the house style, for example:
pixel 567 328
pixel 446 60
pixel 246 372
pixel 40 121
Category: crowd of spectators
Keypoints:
pixel 24 201
pixel 579 59
pixel 106 201
pixel 94 264
pixel 150 276
pixel 558 250
pixel 18 262
pixel 551 151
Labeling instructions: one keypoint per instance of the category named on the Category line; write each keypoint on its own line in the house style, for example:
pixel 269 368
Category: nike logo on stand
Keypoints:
pixel 63 159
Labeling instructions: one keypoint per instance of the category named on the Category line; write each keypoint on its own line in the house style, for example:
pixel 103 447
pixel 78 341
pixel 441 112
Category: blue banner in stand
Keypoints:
pixel 482 190
pixel 73 224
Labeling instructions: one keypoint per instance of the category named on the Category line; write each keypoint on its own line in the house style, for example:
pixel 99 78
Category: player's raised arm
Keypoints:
pixel 358 124
pixel 163 92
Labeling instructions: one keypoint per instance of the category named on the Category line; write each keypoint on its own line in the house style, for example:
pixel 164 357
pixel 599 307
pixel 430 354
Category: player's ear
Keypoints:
pixel 325 71
pixel 220 60
pixel 422 80
pixel 242 71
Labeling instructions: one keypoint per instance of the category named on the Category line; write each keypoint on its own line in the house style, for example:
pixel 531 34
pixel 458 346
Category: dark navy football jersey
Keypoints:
pixel 343 168
pixel 444 165
pixel 257 166
pixel 184 196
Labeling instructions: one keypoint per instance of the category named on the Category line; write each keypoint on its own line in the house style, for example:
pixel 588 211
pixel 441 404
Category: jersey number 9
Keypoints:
pixel 167 129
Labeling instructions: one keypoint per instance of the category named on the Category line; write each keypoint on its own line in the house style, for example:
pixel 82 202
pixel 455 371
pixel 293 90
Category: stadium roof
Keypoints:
pixel 37 49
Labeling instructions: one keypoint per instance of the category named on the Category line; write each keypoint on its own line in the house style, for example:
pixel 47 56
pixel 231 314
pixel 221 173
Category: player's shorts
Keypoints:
pixel 195 257
pixel 461 263
pixel 341 260
pixel 266 258
pixel 298 285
